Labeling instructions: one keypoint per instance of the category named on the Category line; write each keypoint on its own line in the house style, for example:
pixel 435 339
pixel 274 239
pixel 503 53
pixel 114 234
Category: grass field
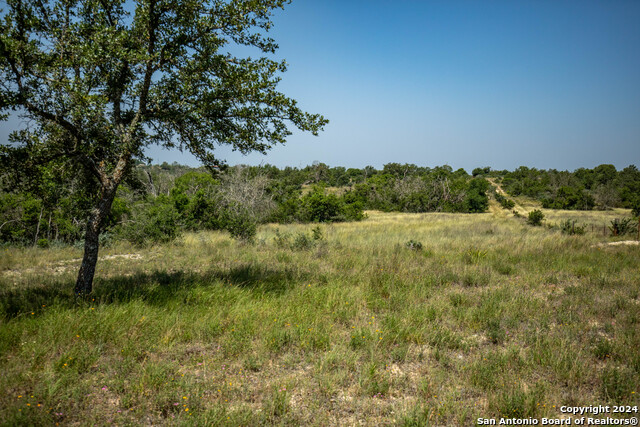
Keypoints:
pixel 346 325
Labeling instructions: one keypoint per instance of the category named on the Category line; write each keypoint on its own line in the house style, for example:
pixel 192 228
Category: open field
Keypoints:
pixel 491 318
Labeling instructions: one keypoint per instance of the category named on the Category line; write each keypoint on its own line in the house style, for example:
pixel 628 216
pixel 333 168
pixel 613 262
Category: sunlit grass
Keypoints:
pixel 490 318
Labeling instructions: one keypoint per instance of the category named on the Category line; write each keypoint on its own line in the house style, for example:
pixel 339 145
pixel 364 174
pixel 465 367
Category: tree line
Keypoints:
pixel 160 201
pixel 602 187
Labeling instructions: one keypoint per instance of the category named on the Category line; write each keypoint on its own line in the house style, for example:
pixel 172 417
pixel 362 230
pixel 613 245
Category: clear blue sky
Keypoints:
pixel 500 83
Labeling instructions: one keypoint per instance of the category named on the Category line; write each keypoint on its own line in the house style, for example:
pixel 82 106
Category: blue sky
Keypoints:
pixel 546 84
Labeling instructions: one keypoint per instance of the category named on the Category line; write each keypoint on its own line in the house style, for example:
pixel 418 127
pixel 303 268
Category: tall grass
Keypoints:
pixel 490 318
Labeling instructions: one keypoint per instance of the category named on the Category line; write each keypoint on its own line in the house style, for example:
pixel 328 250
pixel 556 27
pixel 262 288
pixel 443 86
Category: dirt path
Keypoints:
pixel 518 208
pixel 62 266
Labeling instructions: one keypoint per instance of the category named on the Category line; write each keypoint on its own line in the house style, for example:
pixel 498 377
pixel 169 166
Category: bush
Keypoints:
pixel 241 226
pixel 414 245
pixel 155 222
pixel 569 227
pixel 569 198
pixel 504 202
pixel 320 207
pixel 535 217
pixel 621 226
pixel 476 196
pixel 302 242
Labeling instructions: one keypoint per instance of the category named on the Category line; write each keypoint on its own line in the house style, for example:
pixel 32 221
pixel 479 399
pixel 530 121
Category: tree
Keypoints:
pixel 100 80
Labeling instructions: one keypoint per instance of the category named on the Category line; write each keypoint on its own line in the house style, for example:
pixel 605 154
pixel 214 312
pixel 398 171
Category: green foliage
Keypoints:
pixel 414 245
pixel 481 171
pixel 583 189
pixel 476 195
pixel 318 206
pixel 197 201
pixel 504 202
pixel 316 233
pixel 236 198
pixel 621 226
pixel 569 227
pixel 241 226
pixel 155 222
pixel 99 82
pixel 569 198
pixel 535 217
pixel 635 207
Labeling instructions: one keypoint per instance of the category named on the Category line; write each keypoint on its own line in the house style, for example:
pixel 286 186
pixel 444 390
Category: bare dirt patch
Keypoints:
pixel 620 243
pixel 62 267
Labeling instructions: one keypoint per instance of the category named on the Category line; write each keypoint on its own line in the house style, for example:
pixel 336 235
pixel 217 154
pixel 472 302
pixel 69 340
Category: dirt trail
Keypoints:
pixel 62 266
pixel 517 207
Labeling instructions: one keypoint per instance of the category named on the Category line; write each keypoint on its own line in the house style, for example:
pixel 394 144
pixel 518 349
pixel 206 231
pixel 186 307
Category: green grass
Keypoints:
pixel 490 318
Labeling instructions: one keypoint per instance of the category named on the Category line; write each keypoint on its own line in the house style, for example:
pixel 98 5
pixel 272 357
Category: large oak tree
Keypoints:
pixel 100 80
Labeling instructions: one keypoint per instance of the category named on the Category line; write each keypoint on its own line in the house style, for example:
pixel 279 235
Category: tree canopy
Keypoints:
pixel 100 80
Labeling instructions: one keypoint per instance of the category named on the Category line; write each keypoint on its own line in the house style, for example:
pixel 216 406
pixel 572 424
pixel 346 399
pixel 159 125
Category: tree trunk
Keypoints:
pixel 91 242
pixel 35 240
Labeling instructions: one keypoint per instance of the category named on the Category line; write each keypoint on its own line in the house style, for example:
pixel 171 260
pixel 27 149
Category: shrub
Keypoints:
pixel 476 196
pixel 43 243
pixel 241 226
pixel 535 217
pixel 414 245
pixel 155 222
pixel 317 206
pixel 569 198
pixel 569 227
pixel 320 207
pixel 621 226
pixel 302 242
pixel 317 233
pixel 504 202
